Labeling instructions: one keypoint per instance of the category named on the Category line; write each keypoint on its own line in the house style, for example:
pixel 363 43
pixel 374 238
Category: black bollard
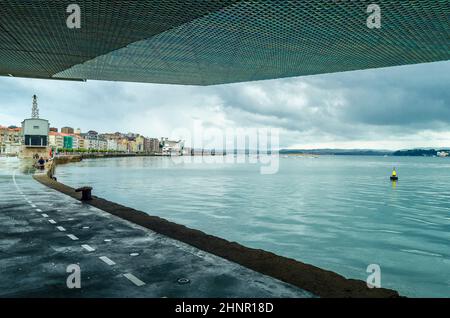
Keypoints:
pixel 85 193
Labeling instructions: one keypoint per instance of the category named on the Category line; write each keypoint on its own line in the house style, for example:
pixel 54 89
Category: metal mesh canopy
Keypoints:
pixel 218 41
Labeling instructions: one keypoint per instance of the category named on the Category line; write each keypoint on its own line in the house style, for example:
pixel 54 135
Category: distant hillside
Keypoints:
pixel 337 152
pixel 429 152
pixel 417 152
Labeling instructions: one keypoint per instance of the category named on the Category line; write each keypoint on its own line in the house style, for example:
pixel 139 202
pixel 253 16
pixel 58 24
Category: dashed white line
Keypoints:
pixel 38 210
pixel 107 260
pixel 61 228
pixel 88 248
pixel 73 237
pixel 52 221
pixel 44 215
pixel 134 279
pixel 32 205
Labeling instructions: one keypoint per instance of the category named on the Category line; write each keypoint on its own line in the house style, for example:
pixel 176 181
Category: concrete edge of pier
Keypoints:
pixel 318 281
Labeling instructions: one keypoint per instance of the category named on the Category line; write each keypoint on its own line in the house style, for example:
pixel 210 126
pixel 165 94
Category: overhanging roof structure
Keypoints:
pixel 200 42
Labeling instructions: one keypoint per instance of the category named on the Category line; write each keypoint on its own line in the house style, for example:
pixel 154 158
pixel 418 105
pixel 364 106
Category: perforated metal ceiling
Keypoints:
pixel 213 42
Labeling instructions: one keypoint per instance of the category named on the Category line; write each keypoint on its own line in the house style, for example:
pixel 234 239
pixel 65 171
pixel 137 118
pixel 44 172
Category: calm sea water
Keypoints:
pixel 338 213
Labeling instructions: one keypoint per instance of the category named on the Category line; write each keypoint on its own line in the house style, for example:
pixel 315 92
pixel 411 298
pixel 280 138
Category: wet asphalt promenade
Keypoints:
pixel 43 231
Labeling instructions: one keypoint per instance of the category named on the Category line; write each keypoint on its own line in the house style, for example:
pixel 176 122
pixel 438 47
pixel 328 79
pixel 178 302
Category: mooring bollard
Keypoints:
pixel 85 193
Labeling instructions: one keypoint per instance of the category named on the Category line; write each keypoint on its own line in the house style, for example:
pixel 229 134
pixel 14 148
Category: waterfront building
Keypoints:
pixel 90 144
pixel 152 145
pixel 68 142
pixel 112 144
pixel 56 140
pixel 80 141
pixel 53 129
pixel 139 140
pixel 75 140
pixel 91 140
pixel 172 147
pixel 35 134
pixel 10 140
pixel 67 130
pixel 122 145
pixel 132 147
pixel 102 144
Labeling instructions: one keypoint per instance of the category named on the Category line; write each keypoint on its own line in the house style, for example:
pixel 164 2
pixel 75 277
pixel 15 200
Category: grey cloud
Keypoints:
pixel 396 100
pixel 355 106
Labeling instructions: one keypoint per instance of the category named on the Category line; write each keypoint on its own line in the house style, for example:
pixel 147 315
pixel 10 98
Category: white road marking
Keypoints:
pixel 107 260
pixel 38 210
pixel 108 240
pixel 88 248
pixel 14 180
pixel 73 237
pixel 134 254
pixel 85 227
pixel 44 215
pixel 33 206
pixel 52 221
pixel 134 279
pixel 61 228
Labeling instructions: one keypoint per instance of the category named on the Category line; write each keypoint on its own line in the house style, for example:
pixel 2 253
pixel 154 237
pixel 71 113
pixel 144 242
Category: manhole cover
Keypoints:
pixel 183 281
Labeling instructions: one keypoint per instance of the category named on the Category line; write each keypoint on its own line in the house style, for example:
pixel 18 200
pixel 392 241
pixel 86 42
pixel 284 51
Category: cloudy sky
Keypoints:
pixel 392 108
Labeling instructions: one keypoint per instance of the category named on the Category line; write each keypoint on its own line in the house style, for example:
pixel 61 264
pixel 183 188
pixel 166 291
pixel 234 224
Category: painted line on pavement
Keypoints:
pixel 61 228
pixel 38 210
pixel 14 180
pixel 88 248
pixel 107 260
pixel 52 221
pixel 73 237
pixel 44 215
pixel 134 279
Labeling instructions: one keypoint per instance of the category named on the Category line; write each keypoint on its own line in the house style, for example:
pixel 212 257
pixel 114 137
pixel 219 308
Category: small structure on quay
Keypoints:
pixel 35 135
pixel 172 147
